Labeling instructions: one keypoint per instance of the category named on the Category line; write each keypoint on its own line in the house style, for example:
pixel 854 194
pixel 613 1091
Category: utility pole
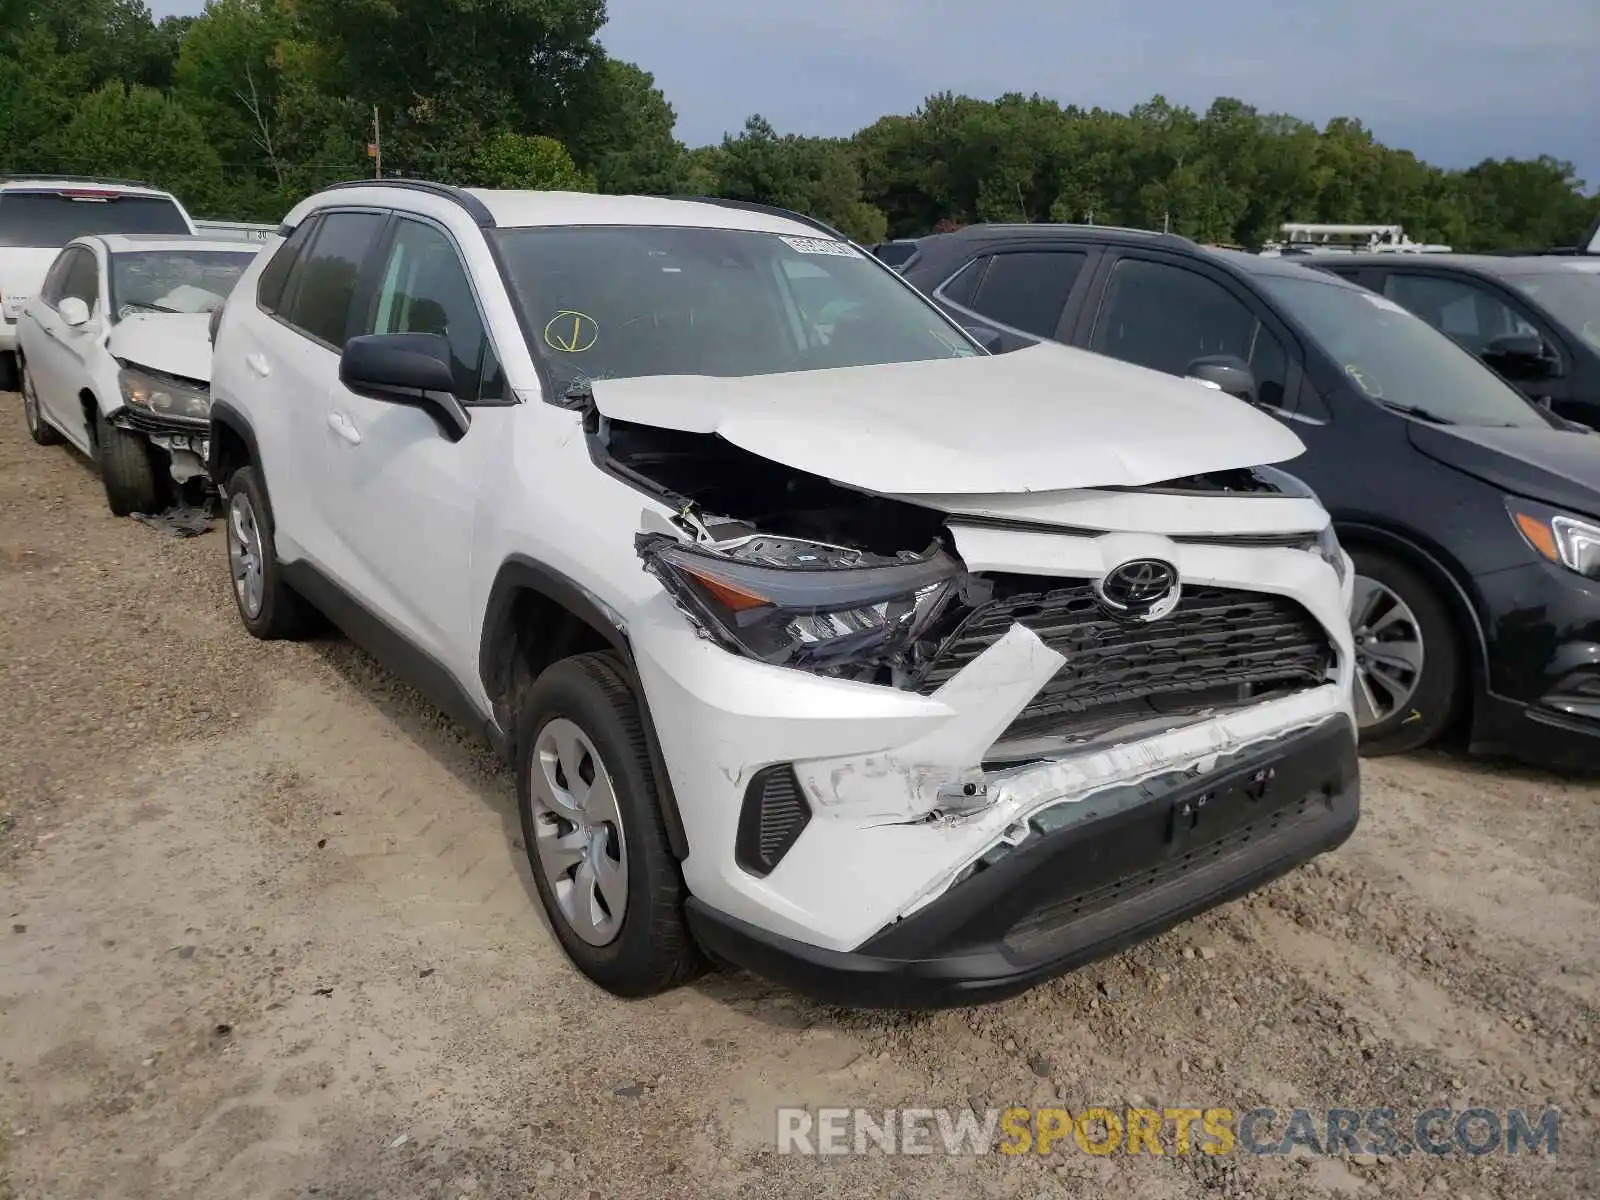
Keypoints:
pixel 377 146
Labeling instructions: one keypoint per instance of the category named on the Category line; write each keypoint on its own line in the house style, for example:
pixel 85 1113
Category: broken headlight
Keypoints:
pixel 804 604
pixel 163 395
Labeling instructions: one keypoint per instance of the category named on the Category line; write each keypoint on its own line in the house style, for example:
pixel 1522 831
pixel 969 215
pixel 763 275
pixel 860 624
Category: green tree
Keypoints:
pixel 138 132
pixel 39 91
pixel 814 176
pixel 444 74
pixel 626 135
pixel 514 160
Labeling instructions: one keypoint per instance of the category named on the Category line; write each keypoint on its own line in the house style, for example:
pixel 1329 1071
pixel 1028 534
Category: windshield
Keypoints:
pixel 615 302
pixel 180 281
pixel 1397 359
pixel 50 220
pixel 1571 295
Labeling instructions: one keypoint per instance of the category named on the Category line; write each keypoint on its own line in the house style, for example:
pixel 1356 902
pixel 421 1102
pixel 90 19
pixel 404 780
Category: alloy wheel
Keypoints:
pixel 578 838
pixel 245 554
pixel 1389 651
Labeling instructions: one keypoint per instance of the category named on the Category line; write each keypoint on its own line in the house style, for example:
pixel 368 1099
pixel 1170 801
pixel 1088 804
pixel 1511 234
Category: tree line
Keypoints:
pixel 254 104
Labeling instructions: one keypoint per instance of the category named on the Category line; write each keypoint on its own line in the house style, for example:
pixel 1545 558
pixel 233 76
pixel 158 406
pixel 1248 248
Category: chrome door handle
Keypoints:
pixel 341 425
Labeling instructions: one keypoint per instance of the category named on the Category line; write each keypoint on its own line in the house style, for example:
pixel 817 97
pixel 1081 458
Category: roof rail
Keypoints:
pixel 475 208
pixel 770 209
pixel 51 177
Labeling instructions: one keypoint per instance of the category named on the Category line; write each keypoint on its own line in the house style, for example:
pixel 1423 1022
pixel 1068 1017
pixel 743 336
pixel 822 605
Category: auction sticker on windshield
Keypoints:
pixel 805 245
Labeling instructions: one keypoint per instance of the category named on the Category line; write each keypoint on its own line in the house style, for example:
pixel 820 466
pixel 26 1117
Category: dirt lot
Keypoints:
pixel 267 931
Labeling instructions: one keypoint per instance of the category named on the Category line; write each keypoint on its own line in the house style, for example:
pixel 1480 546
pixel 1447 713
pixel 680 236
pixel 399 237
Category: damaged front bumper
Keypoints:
pixel 1116 864
pixel 185 439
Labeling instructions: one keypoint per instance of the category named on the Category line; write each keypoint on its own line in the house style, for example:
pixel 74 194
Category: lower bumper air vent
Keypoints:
pixel 774 815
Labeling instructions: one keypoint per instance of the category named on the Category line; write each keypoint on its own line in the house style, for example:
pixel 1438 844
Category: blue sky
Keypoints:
pixel 1454 81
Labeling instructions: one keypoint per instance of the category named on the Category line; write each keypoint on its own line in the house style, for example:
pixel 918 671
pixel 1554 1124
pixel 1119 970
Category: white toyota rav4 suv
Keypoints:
pixel 823 642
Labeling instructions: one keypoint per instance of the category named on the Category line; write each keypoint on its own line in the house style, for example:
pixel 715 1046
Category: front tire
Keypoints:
pixel 41 431
pixel 127 468
pixel 1408 656
pixel 268 606
pixel 592 827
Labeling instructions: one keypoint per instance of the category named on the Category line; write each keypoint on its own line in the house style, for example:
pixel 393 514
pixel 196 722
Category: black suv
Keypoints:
pixel 1534 319
pixel 1473 515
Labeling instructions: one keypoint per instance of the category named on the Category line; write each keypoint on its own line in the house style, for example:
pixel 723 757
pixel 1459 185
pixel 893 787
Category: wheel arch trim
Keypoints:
pixel 1439 571
pixel 520 574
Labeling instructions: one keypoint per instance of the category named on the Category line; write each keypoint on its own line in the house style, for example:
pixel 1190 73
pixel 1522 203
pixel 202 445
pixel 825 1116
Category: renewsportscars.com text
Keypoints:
pixel 1101 1131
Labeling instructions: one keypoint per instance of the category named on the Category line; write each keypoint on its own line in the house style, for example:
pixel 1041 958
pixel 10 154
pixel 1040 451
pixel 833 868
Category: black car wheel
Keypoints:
pixel 127 468
pixel 593 830
pixel 1408 656
pixel 267 605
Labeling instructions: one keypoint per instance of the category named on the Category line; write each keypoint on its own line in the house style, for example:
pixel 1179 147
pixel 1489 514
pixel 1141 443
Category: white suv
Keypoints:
pixel 822 641
pixel 39 214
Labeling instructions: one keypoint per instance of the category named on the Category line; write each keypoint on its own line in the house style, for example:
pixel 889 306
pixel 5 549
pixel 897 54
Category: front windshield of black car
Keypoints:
pixel 1397 359
pixel 616 302
pixel 181 281
pixel 1569 293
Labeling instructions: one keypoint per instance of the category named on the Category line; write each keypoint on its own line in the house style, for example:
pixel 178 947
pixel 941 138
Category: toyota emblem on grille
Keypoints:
pixel 1142 589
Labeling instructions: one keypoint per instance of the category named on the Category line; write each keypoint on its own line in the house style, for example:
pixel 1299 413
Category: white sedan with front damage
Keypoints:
pixel 115 357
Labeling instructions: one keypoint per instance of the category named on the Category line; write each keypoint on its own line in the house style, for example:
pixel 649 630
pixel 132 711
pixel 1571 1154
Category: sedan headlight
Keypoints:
pixel 1569 541
pixel 164 395
pixel 802 604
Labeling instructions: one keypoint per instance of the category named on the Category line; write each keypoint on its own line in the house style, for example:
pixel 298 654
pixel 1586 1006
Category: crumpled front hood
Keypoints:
pixel 1046 418
pixel 173 343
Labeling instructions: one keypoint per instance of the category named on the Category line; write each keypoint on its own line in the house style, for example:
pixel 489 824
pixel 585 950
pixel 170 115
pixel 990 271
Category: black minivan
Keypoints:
pixel 1472 514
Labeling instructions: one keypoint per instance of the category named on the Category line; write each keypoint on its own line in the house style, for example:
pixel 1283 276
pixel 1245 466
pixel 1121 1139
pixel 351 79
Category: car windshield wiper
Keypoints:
pixel 1412 410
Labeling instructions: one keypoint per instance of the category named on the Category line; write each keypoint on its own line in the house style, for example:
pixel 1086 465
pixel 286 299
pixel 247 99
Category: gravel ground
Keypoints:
pixel 268 932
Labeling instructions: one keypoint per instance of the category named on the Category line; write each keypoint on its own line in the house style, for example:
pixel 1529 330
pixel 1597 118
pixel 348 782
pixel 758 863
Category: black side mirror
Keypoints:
pixel 1227 373
pixel 1520 356
pixel 406 368
pixel 989 339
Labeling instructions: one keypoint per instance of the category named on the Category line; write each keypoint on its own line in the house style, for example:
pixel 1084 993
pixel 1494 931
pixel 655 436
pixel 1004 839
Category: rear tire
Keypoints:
pixel 594 815
pixel 41 431
pixel 268 606
pixel 1409 677
pixel 127 468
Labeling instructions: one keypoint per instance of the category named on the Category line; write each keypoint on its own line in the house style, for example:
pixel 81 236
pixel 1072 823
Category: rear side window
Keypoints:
pixel 326 275
pixel 1162 316
pixel 43 219
pixel 269 288
pixel 1029 291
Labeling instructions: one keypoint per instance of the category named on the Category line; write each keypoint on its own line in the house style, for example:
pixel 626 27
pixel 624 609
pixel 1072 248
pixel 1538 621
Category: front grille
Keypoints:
pixel 1219 646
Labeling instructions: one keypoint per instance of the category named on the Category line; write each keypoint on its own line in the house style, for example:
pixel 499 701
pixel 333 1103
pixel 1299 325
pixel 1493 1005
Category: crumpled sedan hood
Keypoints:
pixel 173 343
pixel 1041 419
